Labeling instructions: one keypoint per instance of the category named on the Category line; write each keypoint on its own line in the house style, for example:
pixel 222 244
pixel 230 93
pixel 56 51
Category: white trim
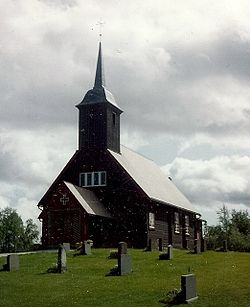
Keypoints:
pixel 176 222
pixel 151 221
pixel 187 223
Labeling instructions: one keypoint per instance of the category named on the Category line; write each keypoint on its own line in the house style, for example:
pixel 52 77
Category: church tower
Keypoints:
pixel 99 115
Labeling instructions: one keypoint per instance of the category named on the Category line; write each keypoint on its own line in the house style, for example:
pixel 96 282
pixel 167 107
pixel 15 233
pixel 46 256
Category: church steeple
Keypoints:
pixel 99 115
pixel 99 76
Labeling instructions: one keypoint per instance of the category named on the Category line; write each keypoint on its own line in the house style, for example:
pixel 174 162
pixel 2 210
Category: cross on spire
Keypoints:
pixel 100 23
pixel 64 199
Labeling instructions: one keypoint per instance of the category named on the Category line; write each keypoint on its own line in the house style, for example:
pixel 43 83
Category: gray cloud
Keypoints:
pixel 179 72
pixel 222 178
pixel 63 4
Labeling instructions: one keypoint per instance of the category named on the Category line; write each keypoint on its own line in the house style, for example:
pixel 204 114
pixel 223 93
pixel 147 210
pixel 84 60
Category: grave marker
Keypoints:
pixel 203 245
pixel 86 248
pixel 62 260
pixel 167 256
pixel 124 264
pixel 197 246
pixel 12 263
pixel 225 249
pixel 170 252
pixel 149 247
pixel 188 288
pixel 124 260
pixel 160 245
pixel 122 248
pixel 66 246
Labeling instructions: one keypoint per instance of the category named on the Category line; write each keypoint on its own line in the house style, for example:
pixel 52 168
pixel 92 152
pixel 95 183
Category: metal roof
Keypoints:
pixel 148 175
pixel 90 203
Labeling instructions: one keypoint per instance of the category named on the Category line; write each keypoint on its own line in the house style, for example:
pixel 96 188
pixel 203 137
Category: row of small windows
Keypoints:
pixel 151 223
pixel 177 224
pixel 93 179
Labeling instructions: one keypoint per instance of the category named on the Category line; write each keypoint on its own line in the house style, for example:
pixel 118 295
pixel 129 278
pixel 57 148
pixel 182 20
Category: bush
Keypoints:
pixel 234 227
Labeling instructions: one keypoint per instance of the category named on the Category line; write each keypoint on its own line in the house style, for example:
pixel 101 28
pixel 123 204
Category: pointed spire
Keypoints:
pixel 98 93
pixel 99 77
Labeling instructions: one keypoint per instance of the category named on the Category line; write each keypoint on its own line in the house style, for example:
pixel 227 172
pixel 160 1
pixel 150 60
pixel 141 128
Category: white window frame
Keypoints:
pixel 176 222
pixel 151 220
pixel 84 182
pixel 187 223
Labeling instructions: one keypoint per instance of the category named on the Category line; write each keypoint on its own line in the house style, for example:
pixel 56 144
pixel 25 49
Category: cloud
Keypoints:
pixel 211 183
pixel 29 163
pixel 63 4
pixel 180 72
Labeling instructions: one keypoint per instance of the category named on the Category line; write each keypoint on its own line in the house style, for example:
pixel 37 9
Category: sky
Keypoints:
pixel 179 70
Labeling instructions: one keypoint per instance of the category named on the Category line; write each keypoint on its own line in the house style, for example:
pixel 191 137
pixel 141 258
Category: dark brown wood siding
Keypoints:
pixel 126 202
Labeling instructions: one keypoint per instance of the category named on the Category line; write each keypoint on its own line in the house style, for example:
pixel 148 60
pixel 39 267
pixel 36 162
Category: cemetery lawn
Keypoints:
pixel 222 280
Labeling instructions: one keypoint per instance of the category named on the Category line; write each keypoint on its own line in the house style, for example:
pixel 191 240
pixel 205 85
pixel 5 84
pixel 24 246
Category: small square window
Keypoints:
pixel 176 222
pixel 103 178
pixel 187 225
pixel 89 179
pixel 151 220
pixel 96 178
pixel 82 180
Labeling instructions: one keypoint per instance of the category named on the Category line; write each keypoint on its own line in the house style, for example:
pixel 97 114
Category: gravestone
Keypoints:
pixel 12 263
pixel 62 260
pixel 124 260
pixel 124 264
pixel 225 246
pixel 170 252
pixel 188 288
pixel 160 245
pixel 203 245
pixel 85 248
pixel 66 246
pixel 167 256
pixel 122 248
pixel 149 247
pixel 197 246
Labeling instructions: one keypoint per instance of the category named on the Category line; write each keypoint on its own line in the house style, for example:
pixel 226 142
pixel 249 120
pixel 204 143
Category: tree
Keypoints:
pixel 241 220
pixel 11 230
pixel 240 231
pixel 234 227
pixel 214 236
pixel 30 234
pixel 14 236
pixel 224 221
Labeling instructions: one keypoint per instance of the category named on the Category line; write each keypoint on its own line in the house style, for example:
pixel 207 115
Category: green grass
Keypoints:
pixel 222 280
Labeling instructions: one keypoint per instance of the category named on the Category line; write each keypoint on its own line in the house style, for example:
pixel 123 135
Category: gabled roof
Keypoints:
pixel 58 178
pixel 88 200
pixel 151 179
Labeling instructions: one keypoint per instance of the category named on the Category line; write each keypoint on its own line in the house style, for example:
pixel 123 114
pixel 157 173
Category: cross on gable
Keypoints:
pixel 64 199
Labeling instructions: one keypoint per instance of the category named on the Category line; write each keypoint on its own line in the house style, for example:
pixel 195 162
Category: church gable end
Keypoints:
pixel 109 193
pixel 62 218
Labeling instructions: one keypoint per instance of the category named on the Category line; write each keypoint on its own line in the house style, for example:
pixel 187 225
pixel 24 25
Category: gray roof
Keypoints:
pixel 88 200
pixel 151 179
